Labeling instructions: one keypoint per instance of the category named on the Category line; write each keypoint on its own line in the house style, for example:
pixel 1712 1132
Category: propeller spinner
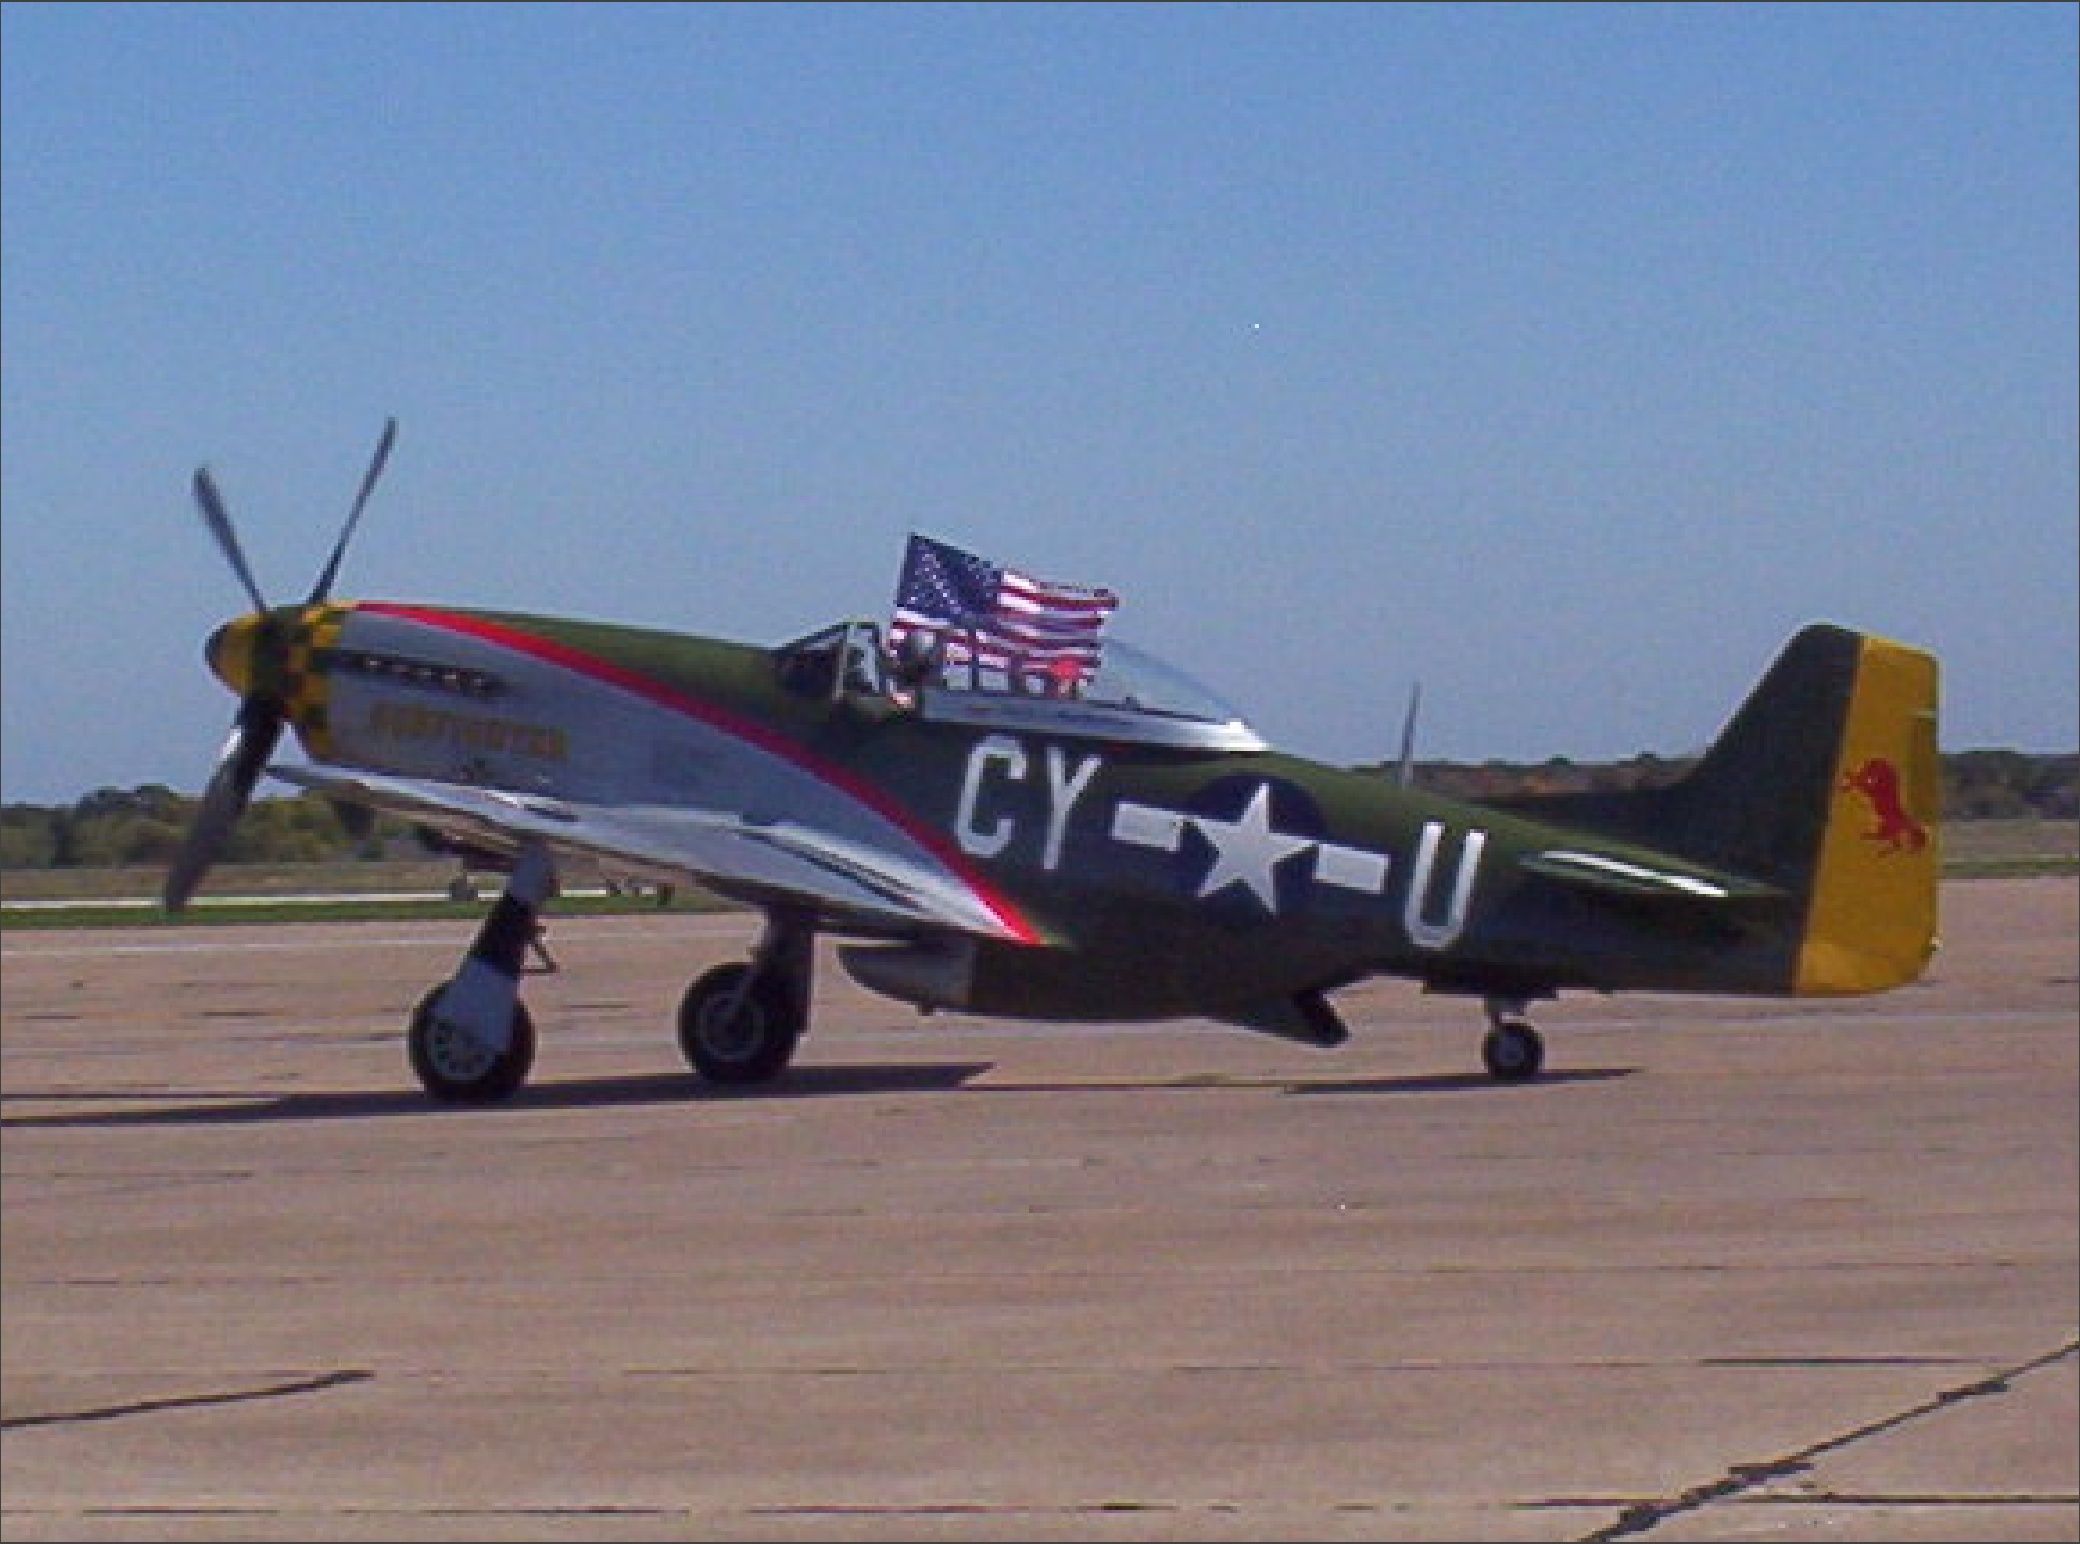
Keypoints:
pixel 250 655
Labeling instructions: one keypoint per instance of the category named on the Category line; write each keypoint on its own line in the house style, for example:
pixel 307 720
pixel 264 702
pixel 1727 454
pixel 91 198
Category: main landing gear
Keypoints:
pixel 471 1041
pixel 739 1023
pixel 1511 1050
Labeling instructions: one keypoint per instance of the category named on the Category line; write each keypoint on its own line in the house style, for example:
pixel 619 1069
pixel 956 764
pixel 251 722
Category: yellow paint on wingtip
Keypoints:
pixel 1873 920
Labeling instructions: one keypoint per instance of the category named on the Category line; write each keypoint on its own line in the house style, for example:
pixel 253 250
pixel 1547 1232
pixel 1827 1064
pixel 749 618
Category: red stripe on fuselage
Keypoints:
pixel 753 733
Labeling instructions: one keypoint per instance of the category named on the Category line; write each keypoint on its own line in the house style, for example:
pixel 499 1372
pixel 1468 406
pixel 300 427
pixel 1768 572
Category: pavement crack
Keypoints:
pixel 1641 1517
pixel 315 1385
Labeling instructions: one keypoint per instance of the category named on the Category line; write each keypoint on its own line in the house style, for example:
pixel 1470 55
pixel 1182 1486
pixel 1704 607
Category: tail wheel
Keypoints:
pixel 1513 1052
pixel 733 1031
pixel 454 1066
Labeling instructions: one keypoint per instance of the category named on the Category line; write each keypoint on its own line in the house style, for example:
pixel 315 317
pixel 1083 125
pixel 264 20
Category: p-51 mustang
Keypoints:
pixel 1103 843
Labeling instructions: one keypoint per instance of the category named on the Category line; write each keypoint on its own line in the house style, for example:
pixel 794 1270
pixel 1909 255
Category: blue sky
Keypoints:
pixel 1565 358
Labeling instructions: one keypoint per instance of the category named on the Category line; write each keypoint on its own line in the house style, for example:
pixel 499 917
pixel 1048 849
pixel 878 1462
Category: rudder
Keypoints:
pixel 1872 919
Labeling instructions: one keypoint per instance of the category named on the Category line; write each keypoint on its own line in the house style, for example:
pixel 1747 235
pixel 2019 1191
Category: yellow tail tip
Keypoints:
pixel 1873 920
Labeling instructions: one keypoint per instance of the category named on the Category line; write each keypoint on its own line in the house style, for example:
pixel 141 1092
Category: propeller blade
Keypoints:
pixel 323 587
pixel 239 766
pixel 262 713
pixel 218 519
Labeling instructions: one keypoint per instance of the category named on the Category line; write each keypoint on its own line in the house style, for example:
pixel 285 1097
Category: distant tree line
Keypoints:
pixel 1977 785
pixel 117 828
pixel 143 827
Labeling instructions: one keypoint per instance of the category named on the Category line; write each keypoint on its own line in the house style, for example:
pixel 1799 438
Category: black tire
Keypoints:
pixel 753 1047
pixel 453 1069
pixel 1513 1052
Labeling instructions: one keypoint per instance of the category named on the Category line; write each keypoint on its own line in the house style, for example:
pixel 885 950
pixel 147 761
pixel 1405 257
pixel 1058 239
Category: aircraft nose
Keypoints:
pixel 230 652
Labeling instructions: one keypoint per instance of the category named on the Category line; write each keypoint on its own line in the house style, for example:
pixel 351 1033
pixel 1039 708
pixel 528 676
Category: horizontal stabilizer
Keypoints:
pixel 1623 876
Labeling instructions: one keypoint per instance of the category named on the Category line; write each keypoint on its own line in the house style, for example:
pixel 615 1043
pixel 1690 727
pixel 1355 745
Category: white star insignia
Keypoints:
pixel 1246 850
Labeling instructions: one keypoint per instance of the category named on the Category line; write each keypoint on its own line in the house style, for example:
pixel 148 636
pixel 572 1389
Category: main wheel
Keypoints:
pixel 753 1045
pixel 454 1067
pixel 1513 1052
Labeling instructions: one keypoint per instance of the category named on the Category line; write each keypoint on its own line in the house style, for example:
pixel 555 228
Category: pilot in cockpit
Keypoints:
pixel 915 666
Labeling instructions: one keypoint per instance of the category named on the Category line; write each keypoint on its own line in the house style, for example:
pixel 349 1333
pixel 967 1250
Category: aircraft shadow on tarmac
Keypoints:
pixel 1458 1082
pixel 226 1107
pixel 1424 1083
pixel 237 1107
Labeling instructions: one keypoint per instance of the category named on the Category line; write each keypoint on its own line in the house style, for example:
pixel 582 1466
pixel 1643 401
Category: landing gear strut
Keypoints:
pixel 1511 1050
pixel 740 1022
pixel 470 1039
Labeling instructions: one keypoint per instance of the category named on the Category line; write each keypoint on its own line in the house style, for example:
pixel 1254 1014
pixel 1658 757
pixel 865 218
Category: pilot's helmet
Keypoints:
pixel 917 656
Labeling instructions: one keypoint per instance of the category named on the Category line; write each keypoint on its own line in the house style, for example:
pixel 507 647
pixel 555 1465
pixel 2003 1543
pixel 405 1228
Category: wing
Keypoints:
pixel 848 885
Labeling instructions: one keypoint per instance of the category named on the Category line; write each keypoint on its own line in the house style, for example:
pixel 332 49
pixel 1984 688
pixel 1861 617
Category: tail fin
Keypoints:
pixel 1827 784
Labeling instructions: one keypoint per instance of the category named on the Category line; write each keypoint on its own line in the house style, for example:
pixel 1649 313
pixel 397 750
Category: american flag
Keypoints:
pixel 998 618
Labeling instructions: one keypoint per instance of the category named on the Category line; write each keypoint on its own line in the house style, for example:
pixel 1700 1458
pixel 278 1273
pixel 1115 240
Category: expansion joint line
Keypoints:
pixel 1646 1515
pixel 315 1385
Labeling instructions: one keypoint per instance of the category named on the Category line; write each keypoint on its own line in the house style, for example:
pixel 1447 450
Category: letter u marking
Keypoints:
pixel 1422 932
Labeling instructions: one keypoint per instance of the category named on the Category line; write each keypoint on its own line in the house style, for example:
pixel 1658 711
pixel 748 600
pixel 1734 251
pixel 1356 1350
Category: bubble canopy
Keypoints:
pixel 1134 696
pixel 1131 677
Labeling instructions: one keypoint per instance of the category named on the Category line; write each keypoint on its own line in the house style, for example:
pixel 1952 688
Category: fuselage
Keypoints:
pixel 1116 873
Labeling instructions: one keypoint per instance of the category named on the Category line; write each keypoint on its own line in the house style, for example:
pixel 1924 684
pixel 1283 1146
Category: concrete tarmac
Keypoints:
pixel 1731 1270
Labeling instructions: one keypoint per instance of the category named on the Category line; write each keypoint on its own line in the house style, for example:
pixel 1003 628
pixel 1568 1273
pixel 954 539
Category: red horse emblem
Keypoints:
pixel 1878 781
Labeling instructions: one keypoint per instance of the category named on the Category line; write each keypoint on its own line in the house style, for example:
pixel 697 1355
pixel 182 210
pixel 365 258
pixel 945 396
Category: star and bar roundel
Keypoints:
pixel 1249 846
